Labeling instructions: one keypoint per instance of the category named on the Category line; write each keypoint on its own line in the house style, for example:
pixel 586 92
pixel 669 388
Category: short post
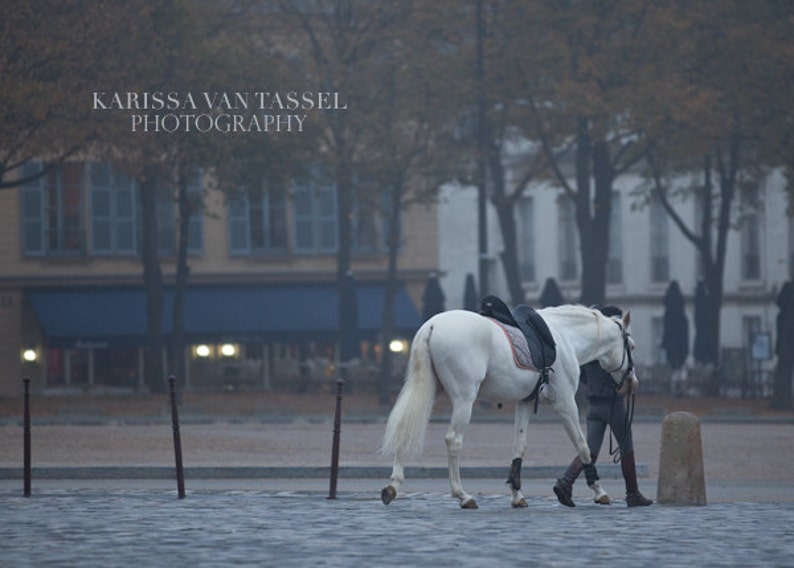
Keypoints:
pixel 681 477
pixel 180 475
pixel 26 438
pixel 337 431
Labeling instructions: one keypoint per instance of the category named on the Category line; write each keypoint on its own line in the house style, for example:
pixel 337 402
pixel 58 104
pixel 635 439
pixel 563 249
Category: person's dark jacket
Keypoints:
pixel 599 383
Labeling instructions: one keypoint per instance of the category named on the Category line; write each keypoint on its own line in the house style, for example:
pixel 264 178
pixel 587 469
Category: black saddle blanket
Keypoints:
pixel 541 344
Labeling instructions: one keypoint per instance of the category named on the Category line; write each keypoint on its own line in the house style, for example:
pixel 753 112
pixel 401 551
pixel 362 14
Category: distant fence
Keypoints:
pixel 735 378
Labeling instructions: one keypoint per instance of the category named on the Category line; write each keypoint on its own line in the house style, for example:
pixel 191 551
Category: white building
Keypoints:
pixel 646 253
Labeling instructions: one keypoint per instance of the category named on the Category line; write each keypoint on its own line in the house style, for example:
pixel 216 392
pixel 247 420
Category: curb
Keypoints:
pixel 606 471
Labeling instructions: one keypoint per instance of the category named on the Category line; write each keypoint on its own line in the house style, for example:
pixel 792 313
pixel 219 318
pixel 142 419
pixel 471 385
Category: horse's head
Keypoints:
pixel 618 361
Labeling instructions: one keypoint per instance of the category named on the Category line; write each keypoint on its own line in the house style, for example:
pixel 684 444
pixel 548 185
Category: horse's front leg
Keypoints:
pixel 461 414
pixel 569 413
pixel 521 423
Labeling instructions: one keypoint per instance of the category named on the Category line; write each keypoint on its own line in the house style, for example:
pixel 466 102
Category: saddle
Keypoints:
pixel 540 342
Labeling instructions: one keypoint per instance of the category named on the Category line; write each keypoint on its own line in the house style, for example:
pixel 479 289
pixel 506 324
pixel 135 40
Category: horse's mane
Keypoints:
pixel 570 314
pixel 570 311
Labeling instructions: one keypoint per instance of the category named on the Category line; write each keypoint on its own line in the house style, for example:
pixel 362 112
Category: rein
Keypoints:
pixel 630 399
pixel 615 452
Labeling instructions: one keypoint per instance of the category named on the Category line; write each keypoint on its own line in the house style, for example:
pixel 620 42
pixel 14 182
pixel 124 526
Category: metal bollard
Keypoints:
pixel 337 431
pixel 26 438
pixel 180 474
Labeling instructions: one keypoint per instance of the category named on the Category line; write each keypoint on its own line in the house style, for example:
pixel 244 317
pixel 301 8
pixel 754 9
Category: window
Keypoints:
pixel 258 221
pixel 114 211
pixel 568 242
pixel 751 239
pixel 372 217
pixel 615 253
pixel 657 334
pixel 660 241
pixel 526 244
pixel 315 217
pixel 52 210
pixel 750 326
pixel 56 218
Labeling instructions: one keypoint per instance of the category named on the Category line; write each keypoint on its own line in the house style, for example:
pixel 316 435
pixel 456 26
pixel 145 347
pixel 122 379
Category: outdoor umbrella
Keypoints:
pixel 470 298
pixel 675 337
pixel 551 295
pixel 348 319
pixel 432 298
pixel 701 349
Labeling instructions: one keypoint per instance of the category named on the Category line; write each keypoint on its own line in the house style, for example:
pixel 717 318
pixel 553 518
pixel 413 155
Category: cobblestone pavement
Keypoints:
pixel 101 527
pixel 749 519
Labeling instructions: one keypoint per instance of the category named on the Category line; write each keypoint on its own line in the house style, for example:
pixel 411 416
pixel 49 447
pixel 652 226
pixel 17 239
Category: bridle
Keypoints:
pixel 626 356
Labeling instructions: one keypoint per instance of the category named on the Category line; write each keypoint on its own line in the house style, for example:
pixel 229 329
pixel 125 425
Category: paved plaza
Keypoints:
pixel 109 526
pixel 104 494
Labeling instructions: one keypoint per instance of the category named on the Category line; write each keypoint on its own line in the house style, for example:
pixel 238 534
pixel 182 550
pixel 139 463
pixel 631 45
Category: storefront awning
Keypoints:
pixel 108 316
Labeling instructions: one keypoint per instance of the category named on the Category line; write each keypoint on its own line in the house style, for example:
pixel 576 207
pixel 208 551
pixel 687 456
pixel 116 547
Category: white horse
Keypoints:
pixel 471 358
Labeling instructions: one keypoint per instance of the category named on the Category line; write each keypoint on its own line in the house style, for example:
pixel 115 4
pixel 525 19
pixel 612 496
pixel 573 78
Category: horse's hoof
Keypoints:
pixel 603 499
pixel 388 494
pixel 520 504
pixel 469 504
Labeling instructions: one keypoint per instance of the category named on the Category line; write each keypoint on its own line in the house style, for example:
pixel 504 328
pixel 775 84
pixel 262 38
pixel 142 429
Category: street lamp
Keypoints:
pixel 397 346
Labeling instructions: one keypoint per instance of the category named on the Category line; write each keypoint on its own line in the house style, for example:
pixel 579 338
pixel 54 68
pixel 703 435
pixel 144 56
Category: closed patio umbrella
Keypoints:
pixel 551 295
pixel 432 298
pixel 675 336
pixel 701 349
pixel 471 301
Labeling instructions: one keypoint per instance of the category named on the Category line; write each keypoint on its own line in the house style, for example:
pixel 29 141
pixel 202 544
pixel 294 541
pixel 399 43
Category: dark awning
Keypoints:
pixel 117 315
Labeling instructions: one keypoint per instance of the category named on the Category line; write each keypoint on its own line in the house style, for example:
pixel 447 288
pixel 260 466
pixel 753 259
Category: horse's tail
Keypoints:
pixel 407 423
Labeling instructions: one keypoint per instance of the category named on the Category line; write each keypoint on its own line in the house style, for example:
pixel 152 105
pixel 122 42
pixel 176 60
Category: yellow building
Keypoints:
pixel 261 305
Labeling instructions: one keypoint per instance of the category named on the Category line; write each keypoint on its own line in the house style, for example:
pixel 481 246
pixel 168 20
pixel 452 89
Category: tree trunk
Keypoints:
pixel 714 284
pixel 781 397
pixel 592 161
pixel 595 236
pixel 385 380
pixel 344 188
pixel 505 212
pixel 153 284
pixel 182 273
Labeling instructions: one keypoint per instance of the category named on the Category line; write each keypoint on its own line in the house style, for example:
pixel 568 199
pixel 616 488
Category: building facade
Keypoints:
pixel 261 303
pixel 647 252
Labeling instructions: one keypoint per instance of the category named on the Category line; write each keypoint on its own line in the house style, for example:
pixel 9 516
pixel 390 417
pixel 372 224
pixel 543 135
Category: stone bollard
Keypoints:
pixel 681 478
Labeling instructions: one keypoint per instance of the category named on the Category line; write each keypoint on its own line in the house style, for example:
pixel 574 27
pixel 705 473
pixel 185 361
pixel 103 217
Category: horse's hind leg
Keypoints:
pixel 389 493
pixel 461 415
pixel 522 413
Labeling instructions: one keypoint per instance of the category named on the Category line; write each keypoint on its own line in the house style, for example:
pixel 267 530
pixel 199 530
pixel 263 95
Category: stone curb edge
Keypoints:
pixel 606 471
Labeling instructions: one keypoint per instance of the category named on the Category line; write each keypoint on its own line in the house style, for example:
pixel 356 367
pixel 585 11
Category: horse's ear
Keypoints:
pixel 627 319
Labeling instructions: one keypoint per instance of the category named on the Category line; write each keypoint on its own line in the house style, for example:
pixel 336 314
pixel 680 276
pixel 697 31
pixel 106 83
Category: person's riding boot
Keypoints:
pixel 633 496
pixel 563 489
